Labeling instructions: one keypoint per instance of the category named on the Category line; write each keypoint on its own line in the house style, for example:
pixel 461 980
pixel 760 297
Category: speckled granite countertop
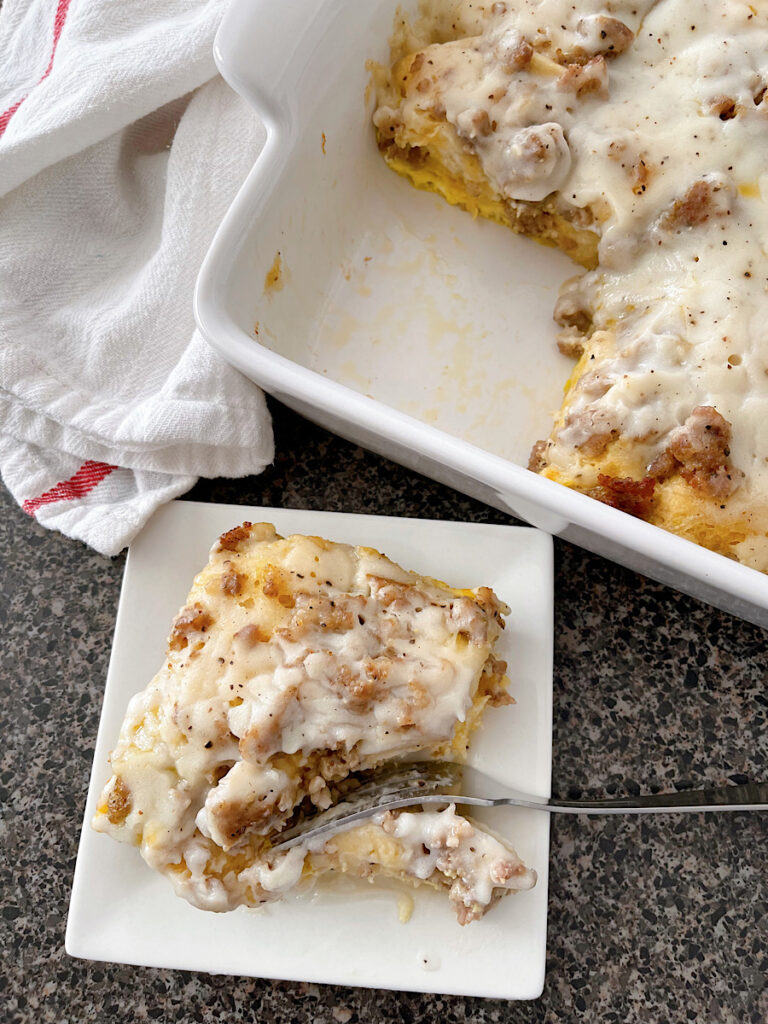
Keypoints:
pixel 649 920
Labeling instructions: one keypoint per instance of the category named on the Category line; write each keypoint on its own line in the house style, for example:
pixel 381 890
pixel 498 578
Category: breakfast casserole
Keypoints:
pixel 632 136
pixel 295 664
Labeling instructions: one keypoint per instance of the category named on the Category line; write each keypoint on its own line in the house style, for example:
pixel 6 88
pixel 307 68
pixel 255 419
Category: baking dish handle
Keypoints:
pixel 263 49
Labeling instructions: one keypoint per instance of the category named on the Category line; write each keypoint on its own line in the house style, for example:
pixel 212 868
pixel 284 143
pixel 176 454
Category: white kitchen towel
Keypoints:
pixel 120 150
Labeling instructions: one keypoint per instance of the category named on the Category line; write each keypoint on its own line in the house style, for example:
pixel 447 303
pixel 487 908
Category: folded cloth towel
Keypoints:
pixel 120 150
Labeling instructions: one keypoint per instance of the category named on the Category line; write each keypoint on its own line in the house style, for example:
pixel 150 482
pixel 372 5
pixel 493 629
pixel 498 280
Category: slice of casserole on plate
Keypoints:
pixel 296 663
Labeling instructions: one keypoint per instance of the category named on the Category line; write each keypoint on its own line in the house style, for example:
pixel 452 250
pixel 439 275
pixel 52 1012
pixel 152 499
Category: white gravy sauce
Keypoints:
pixel 682 104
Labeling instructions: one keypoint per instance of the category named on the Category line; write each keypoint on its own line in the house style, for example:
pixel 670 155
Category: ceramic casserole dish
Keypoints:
pixel 390 317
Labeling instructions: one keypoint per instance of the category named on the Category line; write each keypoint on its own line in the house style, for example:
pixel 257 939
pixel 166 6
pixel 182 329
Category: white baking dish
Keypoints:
pixel 394 319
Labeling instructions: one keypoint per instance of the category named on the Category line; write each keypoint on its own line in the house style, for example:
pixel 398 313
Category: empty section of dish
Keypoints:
pixel 393 294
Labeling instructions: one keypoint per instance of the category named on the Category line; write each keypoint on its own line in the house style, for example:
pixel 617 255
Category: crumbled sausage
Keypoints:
pixel 538 459
pixel 474 123
pixel 595 384
pixel 232 539
pixel 416 155
pixel 335 765
pixel 626 494
pixel 704 199
pixel 605 36
pixel 118 802
pixel 503 870
pixel 570 341
pixel 494 683
pixel 592 430
pixel 583 79
pixel 191 620
pixel 278 585
pixel 333 615
pixel 635 165
pixel 470 619
pixel 513 52
pixel 252 635
pixel 232 583
pixel 465 914
pixel 700 452
pixel 491 605
pixel 571 309
pixel 692 209
pixel 589 427
pixel 360 689
pixel 388 124
pixel 229 818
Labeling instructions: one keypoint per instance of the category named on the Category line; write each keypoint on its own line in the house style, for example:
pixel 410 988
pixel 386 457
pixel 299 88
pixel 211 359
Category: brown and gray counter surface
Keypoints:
pixel 654 919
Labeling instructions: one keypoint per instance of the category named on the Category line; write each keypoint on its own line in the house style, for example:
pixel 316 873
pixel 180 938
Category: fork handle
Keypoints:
pixel 751 796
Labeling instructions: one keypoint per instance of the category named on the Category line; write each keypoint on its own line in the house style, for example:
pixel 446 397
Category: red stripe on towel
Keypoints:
pixel 84 480
pixel 58 24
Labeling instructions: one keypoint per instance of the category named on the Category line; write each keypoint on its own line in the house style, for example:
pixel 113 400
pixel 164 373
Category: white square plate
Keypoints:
pixel 122 911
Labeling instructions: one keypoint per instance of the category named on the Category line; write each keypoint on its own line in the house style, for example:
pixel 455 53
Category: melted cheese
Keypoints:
pixel 646 122
pixel 294 662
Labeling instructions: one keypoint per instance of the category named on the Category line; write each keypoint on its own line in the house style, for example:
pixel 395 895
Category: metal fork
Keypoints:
pixel 443 782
